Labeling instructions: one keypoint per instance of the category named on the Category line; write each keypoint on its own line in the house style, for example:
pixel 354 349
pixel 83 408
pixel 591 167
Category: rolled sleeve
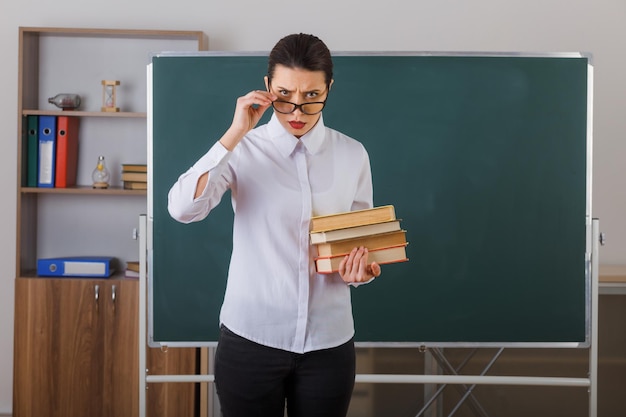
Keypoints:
pixel 181 204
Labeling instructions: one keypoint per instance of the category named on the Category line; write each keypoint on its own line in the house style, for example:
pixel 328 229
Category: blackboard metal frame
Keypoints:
pixel 426 343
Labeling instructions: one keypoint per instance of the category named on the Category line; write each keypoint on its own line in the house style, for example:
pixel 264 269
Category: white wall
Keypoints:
pixel 595 26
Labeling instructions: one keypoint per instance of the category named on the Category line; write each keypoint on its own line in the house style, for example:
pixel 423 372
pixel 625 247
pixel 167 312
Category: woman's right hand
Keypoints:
pixel 248 112
pixel 355 267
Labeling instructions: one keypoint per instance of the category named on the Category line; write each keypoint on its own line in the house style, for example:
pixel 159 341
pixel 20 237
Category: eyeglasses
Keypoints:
pixel 287 107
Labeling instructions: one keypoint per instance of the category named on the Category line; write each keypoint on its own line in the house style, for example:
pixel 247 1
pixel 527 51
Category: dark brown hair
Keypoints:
pixel 302 51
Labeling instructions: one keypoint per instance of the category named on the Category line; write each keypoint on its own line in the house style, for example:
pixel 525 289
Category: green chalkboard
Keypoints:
pixel 485 158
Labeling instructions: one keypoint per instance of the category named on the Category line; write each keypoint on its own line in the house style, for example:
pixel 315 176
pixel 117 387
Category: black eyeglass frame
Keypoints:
pixel 296 106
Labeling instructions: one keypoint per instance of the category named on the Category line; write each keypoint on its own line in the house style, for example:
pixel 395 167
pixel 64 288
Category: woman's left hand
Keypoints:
pixel 355 268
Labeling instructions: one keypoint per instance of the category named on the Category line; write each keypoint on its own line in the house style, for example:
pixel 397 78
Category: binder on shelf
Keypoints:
pixel 47 151
pixel 76 266
pixel 32 144
pixel 66 152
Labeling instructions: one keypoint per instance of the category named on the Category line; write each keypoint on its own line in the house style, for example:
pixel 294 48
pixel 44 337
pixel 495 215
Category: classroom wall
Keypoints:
pixel 595 26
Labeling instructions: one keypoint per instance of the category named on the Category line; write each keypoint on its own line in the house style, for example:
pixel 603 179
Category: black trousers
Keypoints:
pixel 256 380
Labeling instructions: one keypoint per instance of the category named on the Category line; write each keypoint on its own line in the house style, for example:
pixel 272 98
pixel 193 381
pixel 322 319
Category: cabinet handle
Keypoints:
pixel 113 291
pixel 97 296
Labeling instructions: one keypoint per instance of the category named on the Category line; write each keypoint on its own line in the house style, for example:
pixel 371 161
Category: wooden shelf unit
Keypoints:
pixel 76 339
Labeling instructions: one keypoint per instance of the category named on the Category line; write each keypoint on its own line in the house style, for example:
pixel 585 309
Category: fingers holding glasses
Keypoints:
pixel 250 108
pixel 261 98
pixel 248 111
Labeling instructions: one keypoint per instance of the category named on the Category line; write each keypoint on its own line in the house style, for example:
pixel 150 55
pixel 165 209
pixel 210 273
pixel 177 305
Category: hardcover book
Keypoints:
pixel 135 185
pixel 352 218
pixel 135 176
pixel 370 242
pixel 354 232
pixel 393 254
pixel 132 269
pixel 133 265
pixel 134 168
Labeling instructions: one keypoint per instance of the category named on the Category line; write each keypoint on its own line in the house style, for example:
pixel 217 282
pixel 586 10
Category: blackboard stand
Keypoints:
pixel 464 390
pixel 469 380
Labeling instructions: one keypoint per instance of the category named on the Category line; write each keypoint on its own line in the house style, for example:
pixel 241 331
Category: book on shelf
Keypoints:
pixel 371 242
pixel 353 218
pixel 134 168
pixel 133 265
pixel 131 274
pixel 132 269
pixel 135 185
pixel 135 176
pixel 387 255
pixel 354 232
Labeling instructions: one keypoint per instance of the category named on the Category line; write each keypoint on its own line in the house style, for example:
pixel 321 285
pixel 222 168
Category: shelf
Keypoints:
pixel 612 288
pixel 78 113
pixel 612 280
pixel 197 36
pixel 83 190
pixel 612 273
pixel 116 276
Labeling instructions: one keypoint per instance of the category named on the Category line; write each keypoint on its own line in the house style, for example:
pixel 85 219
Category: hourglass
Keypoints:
pixel 108 95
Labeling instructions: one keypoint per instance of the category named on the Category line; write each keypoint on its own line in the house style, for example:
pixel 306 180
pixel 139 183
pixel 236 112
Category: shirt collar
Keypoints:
pixel 286 142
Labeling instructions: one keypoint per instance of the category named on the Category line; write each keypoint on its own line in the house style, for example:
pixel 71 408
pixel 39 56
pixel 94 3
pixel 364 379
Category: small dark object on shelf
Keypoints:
pixel 66 101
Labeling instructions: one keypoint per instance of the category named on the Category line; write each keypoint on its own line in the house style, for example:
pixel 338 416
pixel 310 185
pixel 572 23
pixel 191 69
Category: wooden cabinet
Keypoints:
pixel 76 348
pixel 76 339
pixel 76 353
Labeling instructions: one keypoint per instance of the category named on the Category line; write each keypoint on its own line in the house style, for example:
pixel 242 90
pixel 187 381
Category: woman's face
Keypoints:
pixel 297 86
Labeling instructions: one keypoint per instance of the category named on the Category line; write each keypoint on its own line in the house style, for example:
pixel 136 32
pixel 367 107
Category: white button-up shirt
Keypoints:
pixel 274 295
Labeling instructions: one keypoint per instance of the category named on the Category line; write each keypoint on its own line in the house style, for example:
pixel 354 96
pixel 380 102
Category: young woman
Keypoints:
pixel 286 331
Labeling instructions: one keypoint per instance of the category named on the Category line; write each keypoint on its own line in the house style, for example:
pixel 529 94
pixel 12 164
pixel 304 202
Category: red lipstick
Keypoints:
pixel 296 124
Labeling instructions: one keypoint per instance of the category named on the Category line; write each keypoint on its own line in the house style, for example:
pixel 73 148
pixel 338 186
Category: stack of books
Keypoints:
pixel 135 176
pixel 132 269
pixel 376 229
